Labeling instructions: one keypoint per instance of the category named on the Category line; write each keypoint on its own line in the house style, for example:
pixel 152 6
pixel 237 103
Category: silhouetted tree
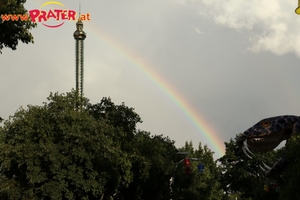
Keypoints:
pixel 198 185
pixel 11 32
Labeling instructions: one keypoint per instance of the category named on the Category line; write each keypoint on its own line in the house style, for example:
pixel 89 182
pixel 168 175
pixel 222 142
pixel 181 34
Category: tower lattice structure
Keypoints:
pixel 79 36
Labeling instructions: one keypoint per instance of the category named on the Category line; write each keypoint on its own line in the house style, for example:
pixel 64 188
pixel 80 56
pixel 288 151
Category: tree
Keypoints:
pixel 152 167
pixel 119 116
pixel 57 151
pixel 151 157
pixel 72 149
pixel 291 175
pixel 198 185
pixel 243 176
pixel 11 32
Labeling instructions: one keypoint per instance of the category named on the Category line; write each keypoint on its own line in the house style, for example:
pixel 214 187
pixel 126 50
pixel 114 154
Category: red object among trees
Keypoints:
pixel 187 164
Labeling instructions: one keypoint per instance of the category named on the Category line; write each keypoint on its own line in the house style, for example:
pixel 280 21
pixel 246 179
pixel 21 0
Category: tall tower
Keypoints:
pixel 79 36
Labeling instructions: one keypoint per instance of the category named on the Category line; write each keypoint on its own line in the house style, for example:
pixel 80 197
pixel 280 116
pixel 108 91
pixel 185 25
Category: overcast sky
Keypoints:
pixel 235 62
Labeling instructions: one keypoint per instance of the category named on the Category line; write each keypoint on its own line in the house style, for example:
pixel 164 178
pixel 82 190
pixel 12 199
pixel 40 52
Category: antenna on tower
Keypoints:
pixel 79 8
pixel 79 11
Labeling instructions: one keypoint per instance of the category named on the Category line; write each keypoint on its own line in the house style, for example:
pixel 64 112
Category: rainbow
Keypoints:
pixel 217 145
pixel 198 121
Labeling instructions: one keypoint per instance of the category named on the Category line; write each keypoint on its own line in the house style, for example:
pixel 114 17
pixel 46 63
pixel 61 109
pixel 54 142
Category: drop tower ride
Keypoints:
pixel 79 36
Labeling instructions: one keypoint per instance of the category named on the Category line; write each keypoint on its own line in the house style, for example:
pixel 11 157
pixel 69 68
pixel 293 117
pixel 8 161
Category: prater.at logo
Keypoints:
pixel 38 15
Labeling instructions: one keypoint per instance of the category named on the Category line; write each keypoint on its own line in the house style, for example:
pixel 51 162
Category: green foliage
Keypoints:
pixel 243 176
pixel 291 175
pixel 118 115
pixel 55 151
pixel 150 156
pixel 152 167
pixel 71 149
pixel 198 185
pixel 11 32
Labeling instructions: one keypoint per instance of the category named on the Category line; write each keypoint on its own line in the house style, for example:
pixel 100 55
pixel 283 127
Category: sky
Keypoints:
pixel 194 70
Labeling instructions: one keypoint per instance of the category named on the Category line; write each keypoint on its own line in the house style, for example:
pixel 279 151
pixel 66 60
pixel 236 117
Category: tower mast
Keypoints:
pixel 79 36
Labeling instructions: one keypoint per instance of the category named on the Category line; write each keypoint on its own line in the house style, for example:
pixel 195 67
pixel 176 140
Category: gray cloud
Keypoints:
pixel 271 24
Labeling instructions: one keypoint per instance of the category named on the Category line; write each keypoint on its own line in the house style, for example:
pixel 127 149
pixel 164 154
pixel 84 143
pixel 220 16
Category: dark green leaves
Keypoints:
pixel 11 32
pixel 55 151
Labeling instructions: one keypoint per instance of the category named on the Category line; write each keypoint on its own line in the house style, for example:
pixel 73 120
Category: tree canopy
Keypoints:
pixel 197 185
pixel 69 148
pixel 244 178
pixel 291 175
pixel 56 151
pixel 11 32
